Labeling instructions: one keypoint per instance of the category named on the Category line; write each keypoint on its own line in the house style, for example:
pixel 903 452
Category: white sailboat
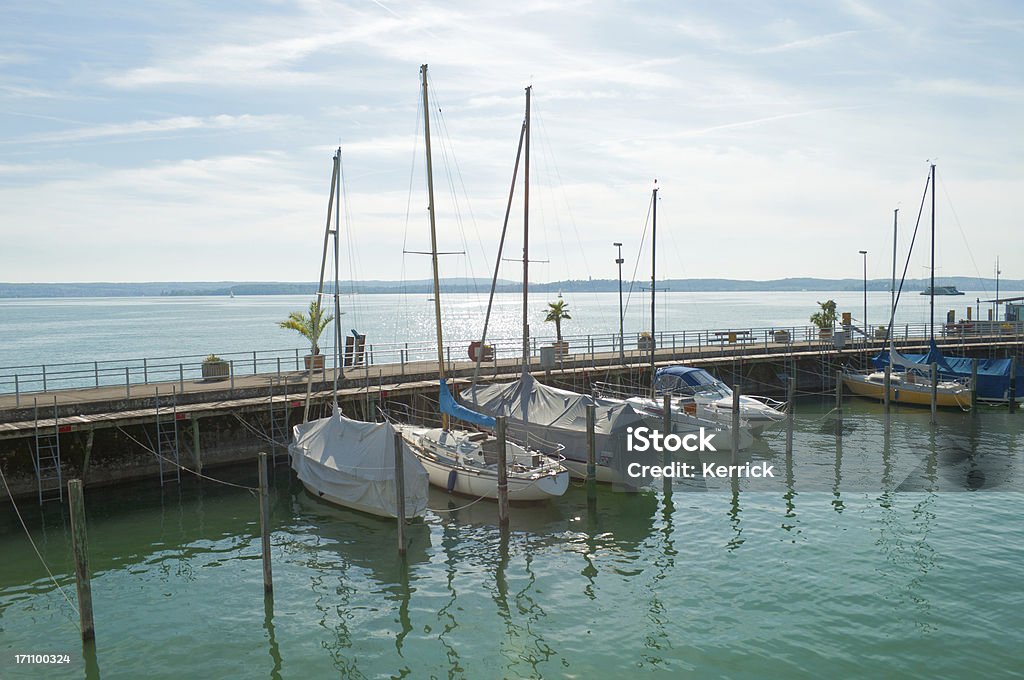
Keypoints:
pixel 349 462
pixel 466 461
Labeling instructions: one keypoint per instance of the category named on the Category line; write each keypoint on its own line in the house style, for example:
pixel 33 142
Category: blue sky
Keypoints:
pixel 193 141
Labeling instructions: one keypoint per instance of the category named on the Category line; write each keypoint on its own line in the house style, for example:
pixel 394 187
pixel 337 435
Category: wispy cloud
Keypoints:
pixel 806 43
pixel 154 127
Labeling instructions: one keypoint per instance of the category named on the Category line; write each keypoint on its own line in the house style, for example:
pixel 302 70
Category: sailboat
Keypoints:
pixel 682 418
pixel 465 461
pixel 347 462
pixel 910 381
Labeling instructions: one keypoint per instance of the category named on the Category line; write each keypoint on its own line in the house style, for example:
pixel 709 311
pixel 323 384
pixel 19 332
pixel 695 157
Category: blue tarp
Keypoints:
pixel 993 374
pixel 457 410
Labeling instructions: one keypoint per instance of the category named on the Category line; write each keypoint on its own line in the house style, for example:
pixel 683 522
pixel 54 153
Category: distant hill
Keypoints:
pixel 462 285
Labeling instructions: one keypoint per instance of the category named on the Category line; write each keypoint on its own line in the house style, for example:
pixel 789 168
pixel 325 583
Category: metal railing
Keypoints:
pixel 39 378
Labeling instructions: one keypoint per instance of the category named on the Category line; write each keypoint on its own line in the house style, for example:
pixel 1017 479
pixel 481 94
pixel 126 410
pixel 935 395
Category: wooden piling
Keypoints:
pixel 500 425
pixel 666 457
pixel 735 423
pixel 591 454
pixel 887 386
pixel 197 456
pixel 974 385
pixel 268 579
pixel 935 393
pixel 839 398
pixel 1013 385
pixel 400 491
pixel 791 399
pixel 80 547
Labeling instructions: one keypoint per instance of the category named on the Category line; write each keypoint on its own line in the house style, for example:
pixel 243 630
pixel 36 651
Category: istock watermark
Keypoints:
pixel 644 439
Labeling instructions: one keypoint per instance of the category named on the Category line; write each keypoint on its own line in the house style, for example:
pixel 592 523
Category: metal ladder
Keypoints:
pixel 47 458
pixel 280 433
pixel 168 446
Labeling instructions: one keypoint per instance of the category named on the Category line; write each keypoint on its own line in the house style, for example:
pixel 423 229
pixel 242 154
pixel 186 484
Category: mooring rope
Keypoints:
pixel 33 543
pixel 250 489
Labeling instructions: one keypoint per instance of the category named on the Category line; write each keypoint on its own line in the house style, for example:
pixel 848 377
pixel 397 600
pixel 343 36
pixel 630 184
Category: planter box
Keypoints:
pixel 825 334
pixel 215 370
pixel 881 334
pixel 645 343
pixel 314 362
pixel 781 336
pixel 561 349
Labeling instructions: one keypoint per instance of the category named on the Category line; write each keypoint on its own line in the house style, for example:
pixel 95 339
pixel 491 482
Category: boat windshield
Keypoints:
pixel 679 380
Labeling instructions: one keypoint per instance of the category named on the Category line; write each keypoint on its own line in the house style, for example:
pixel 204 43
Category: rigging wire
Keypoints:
pixel 967 244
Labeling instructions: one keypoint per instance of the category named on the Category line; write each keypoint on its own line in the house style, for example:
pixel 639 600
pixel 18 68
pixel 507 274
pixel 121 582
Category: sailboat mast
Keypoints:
pixel 526 233
pixel 932 296
pixel 654 260
pixel 337 302
pixel 892 287
pixel 433 234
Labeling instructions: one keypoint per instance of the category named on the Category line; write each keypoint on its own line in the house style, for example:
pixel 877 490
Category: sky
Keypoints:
pixel 190 141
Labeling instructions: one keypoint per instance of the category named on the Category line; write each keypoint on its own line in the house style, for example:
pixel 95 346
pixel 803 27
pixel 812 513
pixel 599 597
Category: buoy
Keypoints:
pixel 453 476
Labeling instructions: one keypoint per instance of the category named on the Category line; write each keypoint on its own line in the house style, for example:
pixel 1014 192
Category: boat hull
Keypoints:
pixel 349 505
pixel 912 394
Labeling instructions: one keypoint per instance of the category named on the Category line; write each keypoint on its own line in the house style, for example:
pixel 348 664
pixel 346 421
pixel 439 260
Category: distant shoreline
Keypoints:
pixel 244 288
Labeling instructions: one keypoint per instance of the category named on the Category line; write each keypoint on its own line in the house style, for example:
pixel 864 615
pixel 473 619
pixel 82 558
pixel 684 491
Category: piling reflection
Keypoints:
pixel 268 625
pixel 92 665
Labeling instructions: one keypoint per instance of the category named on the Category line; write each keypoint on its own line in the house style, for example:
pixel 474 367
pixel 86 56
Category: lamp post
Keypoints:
pixel 622 338
pixel 864 319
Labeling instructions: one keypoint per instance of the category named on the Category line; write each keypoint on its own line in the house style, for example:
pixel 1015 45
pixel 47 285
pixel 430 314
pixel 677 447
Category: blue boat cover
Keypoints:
pixel 993 374
pixel 457 410
pixel 673 377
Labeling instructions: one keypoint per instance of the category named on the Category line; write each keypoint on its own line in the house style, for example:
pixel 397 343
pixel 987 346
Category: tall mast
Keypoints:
pixel 932 296
pixel 654 246
pixel 337 302
pixel 526 233
pixel 892 288
pixel 433 235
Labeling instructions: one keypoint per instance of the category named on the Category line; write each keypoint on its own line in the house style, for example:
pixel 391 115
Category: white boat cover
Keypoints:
pixel 353 462
pixel 559 416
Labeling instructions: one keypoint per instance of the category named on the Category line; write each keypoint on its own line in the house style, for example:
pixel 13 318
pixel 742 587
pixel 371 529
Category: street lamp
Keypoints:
pixel 864 319
pixel 619 261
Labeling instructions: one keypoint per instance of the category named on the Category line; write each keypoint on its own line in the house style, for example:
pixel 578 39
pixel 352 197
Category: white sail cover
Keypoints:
pixel 352 463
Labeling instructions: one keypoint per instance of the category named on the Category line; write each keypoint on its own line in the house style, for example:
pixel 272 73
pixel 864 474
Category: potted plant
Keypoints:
pixel 825 319
pixel 310 326
pixel 215 368
pixel 882 333
pixel 781 336
pixel 645 342
pixel 556 312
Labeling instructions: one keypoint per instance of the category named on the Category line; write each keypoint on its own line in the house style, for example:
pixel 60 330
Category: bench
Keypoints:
pixel 732 337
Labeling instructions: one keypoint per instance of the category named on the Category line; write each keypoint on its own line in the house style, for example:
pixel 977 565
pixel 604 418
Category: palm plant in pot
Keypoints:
pixel 557 311
pixel 825 319
pixel 311 326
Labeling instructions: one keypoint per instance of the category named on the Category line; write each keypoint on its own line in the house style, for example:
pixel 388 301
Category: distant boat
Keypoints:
pixel 231 293
pixel 942 290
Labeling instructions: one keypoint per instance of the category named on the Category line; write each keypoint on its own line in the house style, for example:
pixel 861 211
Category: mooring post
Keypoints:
pixel 935 392
pixel 791 398
pixel 502 471
pixel 666 427
pixel 400 491
pixel 591 454
pixel 839 395
pixel 887 386
pixel 268 579
pixel 80 547
pixel 197 456
pixel 974 385
pixel 1013 384
pixel 735 423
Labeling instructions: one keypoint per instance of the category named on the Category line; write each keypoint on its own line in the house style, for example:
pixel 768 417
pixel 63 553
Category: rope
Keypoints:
pixel 250 489
pixel 33 543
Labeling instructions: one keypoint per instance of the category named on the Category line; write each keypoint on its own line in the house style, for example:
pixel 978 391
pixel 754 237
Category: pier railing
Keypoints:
pixel 39 378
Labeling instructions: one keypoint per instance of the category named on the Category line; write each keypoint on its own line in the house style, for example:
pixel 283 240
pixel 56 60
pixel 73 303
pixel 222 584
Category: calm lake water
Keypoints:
pixel 55 331
pixel 865 557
